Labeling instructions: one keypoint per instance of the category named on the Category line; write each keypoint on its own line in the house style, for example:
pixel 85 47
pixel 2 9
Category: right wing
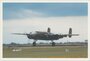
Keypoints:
pixel 20 33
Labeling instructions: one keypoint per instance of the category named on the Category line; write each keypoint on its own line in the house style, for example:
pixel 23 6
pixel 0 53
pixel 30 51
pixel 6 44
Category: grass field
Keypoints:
pixel 46 52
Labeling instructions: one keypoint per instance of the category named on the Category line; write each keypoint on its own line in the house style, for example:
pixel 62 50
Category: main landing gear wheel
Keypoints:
pixel 34 43
pixel 53 43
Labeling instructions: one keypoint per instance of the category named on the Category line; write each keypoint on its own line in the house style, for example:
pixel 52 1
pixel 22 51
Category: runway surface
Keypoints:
pixel 46 52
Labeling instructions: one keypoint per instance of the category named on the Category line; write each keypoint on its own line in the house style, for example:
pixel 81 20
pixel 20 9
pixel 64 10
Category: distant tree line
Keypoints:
pixel 42 43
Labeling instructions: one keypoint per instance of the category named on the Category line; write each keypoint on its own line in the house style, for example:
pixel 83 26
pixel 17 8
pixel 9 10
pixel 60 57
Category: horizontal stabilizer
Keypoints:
pixel 70 34
pixel 75 34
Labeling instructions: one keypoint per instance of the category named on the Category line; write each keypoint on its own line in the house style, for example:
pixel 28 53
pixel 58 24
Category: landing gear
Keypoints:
pixel 34 43
pixel 53 43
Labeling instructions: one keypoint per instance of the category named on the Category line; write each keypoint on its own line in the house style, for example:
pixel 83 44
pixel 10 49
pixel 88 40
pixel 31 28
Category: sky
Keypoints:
pixel 30 17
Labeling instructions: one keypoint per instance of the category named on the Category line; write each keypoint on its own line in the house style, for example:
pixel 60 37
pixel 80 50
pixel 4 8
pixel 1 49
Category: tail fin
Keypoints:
pixel 70 32
pixel 48 30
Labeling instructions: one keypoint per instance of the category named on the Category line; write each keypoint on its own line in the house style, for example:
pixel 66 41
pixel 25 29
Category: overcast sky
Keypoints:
pixel 30 17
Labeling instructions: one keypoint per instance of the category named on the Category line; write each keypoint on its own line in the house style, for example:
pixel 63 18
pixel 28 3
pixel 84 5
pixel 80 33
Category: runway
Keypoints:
pixel 46 52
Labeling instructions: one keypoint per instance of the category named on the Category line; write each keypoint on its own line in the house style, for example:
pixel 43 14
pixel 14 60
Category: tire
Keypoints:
pixel 34 43
pixel 53 43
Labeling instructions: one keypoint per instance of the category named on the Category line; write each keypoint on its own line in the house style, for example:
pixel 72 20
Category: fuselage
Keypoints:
pixel 44 36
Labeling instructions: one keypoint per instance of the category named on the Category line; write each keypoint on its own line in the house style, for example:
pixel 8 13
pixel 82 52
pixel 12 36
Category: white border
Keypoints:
pixel 88 30
pixel 44 0
pixel 0 30
pixel 44 59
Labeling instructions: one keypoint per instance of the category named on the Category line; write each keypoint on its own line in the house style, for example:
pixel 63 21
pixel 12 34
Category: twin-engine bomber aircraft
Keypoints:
pixel 39 35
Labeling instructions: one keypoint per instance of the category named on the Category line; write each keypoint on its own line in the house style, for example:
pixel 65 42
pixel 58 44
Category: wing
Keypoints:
pixel 20 33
